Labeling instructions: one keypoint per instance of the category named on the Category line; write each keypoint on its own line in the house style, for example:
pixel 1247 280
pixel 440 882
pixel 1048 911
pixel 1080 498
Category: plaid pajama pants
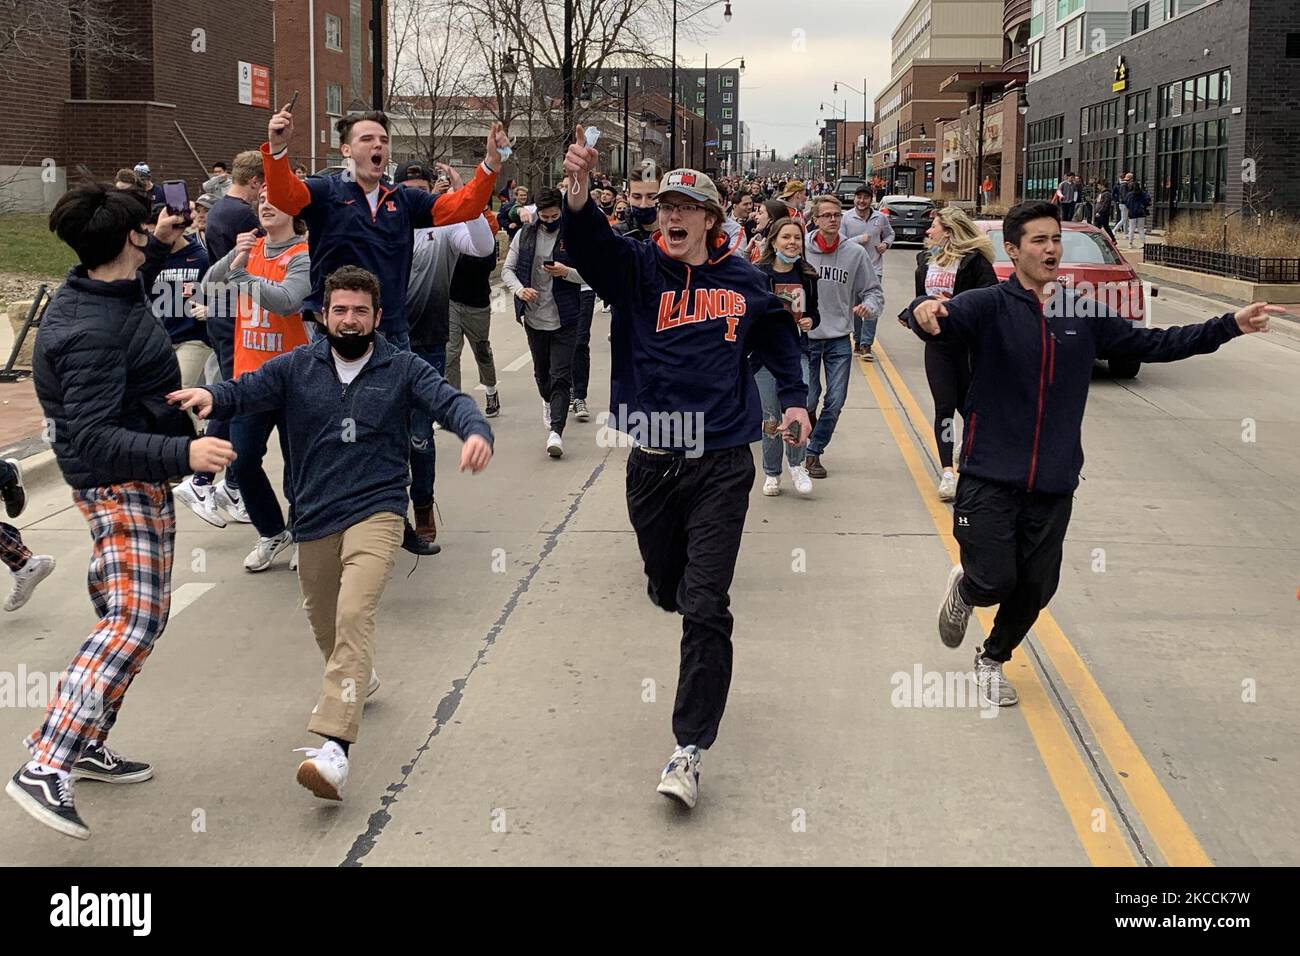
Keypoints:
pixel 133 526
pixel 13 553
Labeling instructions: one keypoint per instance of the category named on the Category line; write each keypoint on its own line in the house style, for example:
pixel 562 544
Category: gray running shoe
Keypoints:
pixel 954 613
pixel 994 687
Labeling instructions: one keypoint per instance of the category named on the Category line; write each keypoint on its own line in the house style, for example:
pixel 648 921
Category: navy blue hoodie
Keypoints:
pixel 1030 369
pixel 348 445
pixel 681 334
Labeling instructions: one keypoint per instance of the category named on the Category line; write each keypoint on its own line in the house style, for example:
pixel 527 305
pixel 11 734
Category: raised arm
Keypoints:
pixel 610 262
pixel 1119 338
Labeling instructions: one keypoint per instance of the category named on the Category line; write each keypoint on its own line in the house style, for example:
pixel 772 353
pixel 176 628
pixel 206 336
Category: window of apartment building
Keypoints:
pixel 1036 18
pixel 727 144
pixel 1064 34
pixel 333 33
pixel 1035 57
pixel 1042 172
pixel 728 80
pixel 728 97
pixel 699 80
pixel 333 99
pixel 1192 164
pixel 1208 91
pixel 1139 19
pixel 726 113
pixel 699 97
pixel 1171 9
pixel 727 129
pixel 1078 35
pixel 699 111
pixel 1099 118
pixel 1046 131
pixel 1066 7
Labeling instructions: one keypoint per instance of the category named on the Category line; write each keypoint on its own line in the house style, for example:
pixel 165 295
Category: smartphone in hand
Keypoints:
pixel 177 199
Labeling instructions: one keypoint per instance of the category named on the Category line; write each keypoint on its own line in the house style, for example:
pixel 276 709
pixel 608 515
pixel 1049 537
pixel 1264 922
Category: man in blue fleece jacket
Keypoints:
pixel 346 400
pixel 1032 345
pixel 685 315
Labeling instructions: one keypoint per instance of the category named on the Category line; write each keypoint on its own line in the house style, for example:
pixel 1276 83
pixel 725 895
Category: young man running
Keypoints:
pixel 548 304
pixel 1032 344
pixel 847 289
pixel 346 400
pixel 359 218
pixel 103 366
pixel 874 232
pixel 686 314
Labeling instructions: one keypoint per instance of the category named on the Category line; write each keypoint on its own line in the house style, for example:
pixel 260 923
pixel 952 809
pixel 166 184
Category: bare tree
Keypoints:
pixel 433 61
pixel 86 29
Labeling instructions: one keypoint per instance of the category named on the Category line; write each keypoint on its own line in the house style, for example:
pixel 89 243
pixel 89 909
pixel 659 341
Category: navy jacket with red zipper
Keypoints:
pixel 1030 368
pixel 681 335
pixel 341 230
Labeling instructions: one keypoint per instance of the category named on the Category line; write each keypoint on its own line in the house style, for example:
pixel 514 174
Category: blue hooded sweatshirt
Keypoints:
pixel 1031 364
pixel 349 446
pixel 681 335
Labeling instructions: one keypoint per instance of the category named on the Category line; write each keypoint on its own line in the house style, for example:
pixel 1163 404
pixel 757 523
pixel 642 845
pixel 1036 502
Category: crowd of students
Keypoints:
pixel 736 314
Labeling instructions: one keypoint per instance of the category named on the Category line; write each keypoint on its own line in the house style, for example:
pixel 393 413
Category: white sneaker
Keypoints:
pixel 546 414
pixel 293 559
pixel 231 504
pixel 373 686
pixel 681 778
pixel 325 771
pixel 199 499
pixel 37 569
pixel 948 486
pixel 802 480
pixel 772 486
pixel 554 446
pixel 266 551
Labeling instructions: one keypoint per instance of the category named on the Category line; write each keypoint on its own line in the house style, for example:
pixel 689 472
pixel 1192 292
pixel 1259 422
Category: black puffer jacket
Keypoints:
pixel 103 365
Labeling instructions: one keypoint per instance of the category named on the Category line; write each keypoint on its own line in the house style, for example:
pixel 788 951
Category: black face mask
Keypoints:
pixel 550 226
pixel 352 346
pixel 607 208
pixel 643 215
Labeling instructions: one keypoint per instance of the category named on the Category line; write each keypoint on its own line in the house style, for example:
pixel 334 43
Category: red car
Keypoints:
pixel 1093 265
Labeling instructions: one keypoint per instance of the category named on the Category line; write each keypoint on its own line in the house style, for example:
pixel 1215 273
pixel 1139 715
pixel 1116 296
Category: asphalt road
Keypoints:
pixel 528 683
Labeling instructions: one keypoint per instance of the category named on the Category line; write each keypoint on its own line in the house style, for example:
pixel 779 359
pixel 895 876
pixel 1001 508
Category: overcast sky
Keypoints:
pixel 842 40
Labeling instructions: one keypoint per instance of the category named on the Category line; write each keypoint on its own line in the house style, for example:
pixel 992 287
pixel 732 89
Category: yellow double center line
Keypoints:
pixel 1101 835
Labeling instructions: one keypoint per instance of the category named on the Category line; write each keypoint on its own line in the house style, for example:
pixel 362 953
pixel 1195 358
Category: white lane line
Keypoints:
pixel 519 363
pixel 187 594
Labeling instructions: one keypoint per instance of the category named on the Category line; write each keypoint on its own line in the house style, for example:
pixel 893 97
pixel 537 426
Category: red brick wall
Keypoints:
pixel 32 102
pixel 292 71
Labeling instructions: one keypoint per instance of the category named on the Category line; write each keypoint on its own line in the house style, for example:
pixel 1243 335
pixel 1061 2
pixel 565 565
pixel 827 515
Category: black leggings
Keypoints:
pixel 1103 222
pixel 947 369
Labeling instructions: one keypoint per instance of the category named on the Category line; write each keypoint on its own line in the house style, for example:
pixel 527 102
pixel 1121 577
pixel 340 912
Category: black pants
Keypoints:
pixel 689 514
pixel 1067 211
pixel 1011 554
pixel 947 369
pixel 582 349
pixel 553 368
pixel 1102 221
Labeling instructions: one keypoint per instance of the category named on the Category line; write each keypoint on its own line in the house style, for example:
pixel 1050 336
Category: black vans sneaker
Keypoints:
pixel 97 762
pixel 48 798
pixel 13 492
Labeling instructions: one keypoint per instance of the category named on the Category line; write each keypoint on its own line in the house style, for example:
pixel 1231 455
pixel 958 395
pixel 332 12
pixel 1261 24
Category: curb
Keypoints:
pixel 40 470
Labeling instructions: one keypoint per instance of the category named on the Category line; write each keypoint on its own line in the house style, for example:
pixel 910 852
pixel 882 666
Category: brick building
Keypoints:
pixel 323 49
pixel 175 103
pixel 934 40
pixel 1199 98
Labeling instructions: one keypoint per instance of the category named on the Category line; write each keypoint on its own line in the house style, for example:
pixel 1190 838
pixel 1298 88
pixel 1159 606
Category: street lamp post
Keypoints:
pixel 672 112
pixel 863 91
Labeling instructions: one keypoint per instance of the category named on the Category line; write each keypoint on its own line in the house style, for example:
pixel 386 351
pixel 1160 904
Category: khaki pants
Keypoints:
pixel 192 357
pixel 468 322
pixel 342 578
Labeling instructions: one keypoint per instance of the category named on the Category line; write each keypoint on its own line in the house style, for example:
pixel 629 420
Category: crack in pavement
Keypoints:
pixel 377 821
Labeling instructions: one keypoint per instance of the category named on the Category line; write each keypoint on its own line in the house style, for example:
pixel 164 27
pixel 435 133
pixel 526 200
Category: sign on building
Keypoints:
pixel 254 85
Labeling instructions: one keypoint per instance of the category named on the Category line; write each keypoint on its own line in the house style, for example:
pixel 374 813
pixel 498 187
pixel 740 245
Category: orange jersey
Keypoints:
pixel 261 334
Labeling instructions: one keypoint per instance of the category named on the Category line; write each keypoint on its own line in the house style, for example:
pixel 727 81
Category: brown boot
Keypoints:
pixel 814 465
pixel 425 526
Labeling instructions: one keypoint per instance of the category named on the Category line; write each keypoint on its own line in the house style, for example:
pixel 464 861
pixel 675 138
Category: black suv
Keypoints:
pixel 845 189
pixel 909 215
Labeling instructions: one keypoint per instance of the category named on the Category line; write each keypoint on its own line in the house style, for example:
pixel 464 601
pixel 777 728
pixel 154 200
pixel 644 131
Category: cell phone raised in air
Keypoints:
pixel 177 199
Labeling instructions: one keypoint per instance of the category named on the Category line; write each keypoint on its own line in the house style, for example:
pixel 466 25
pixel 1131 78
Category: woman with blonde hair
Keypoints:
pixel 959 257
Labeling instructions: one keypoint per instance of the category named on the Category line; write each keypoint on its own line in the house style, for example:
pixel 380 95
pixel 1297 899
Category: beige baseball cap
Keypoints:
pixel 691 183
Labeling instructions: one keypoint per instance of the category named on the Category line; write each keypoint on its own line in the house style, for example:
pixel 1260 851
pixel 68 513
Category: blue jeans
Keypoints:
pixel 767 393
pixel 424 457
pixel 837 357
pixel 249 434
pixel 867 328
